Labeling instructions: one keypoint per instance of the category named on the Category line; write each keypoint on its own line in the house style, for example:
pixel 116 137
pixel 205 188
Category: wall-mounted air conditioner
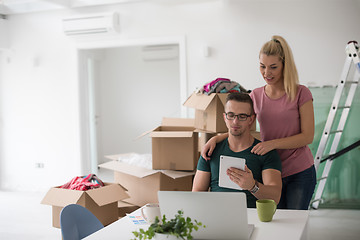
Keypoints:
pixel 91 24
pixel 160 52
pixel 4 33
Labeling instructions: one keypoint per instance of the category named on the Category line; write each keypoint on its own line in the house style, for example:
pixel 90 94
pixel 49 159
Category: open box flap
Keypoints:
pixel 178 122
pixel 110 193
pixel 139 171
pixel 186 123
pixel 223 97
pixel 122 204
pixel 117 156
pixel 127 168
pixel 67 197
pixel 177 174
pixel 172 134
pixel 199 101
pixel 146 133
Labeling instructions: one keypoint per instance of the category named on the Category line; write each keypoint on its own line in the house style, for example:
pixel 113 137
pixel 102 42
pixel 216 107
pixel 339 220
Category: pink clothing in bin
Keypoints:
pixel 280 118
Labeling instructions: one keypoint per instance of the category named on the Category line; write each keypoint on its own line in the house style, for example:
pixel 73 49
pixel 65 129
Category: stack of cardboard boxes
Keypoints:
pixel 176 149
pixel 209 119
pixel 174 159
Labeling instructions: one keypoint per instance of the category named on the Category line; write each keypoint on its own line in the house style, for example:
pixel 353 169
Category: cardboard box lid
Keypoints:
pixel 127 168
pixel 172 134
pixel 187 122
pixel 202 101
pixel 176 174
pixel 53 198
pixel 122 204
pixel 111 192
pixel 183 125
pixel 140 172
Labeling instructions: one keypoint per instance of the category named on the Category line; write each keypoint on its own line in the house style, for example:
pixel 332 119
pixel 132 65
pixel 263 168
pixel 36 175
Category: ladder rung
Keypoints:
pixel 342 107
pixel 316 200
pixel 351 82
pixel 327 158
pixel 319 179
pixel 337 131
pixel 352 48
pixel 324 157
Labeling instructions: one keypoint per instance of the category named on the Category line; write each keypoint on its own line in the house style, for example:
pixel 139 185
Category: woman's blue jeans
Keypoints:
pixel 297 190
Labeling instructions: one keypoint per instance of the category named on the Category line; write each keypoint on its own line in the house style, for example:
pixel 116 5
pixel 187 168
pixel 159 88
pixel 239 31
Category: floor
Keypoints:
pixel 23 217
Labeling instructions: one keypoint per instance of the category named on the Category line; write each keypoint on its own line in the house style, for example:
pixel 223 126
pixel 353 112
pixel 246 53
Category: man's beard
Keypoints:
pixel 237 133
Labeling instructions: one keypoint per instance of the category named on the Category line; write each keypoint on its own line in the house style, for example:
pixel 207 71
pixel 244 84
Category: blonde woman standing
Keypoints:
pixel 284 110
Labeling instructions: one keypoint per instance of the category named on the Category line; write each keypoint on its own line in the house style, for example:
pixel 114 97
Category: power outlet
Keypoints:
pixel 39 165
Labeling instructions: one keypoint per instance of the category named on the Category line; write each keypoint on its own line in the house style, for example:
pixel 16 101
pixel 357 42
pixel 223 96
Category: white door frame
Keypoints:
pixel 86 128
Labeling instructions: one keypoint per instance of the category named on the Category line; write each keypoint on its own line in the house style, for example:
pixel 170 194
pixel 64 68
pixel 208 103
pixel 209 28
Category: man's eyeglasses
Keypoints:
pixel 232 116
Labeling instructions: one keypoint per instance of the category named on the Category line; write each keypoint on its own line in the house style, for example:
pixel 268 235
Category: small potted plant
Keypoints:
pixel 177 228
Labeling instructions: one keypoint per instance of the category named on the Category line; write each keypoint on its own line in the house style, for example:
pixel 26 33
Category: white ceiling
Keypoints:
pixel 8 7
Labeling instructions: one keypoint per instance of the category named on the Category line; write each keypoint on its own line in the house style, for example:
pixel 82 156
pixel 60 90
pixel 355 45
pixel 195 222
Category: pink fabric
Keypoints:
pixel 279 118
pixel 210 84
pixel 91 181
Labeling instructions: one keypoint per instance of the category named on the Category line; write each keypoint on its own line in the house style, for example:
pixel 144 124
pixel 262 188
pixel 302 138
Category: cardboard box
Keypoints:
pixel 102 202
pixel 175 145
pixel 256 135
pixel 209 111
pixel 142 184
pixel 204 138
pixel 124 208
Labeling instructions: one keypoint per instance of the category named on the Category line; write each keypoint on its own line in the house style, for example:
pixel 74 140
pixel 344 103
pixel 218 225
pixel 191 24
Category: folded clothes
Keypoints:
pixel 88 182
pixel 209 85
pixel 222 85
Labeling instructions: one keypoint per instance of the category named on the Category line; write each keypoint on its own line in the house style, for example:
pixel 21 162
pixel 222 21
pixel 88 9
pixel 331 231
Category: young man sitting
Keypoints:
pixel 262 176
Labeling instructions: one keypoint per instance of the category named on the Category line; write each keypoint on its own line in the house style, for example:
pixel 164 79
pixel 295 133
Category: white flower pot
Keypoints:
pixel 161 236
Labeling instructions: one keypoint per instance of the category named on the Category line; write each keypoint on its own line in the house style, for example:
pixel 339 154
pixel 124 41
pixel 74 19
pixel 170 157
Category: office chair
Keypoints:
pixel 78 222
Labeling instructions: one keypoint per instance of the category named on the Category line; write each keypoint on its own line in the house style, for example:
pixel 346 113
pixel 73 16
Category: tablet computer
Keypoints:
pixel 225 163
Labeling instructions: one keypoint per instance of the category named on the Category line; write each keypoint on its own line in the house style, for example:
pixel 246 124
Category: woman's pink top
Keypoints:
pixel 280 118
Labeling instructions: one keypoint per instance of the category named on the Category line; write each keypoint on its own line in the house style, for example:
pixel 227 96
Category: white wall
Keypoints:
pixel 133 97
pixel 4 40
pixel 40 104
pixel 40 95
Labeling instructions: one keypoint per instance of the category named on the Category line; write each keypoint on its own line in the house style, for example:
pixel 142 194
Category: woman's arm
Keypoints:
pixel 211 144
pixel 304 138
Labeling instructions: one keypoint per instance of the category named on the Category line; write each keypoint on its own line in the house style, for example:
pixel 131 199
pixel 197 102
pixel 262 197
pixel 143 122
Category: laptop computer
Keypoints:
pixel 223 213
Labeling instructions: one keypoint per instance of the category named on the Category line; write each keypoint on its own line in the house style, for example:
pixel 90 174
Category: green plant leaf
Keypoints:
pixel 179 226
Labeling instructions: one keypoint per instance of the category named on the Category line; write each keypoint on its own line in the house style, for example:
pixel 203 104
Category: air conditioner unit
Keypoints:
pixel 160 52
pixel 91 24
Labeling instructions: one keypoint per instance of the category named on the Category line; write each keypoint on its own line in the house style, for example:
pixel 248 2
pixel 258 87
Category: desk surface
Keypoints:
pixel 286 224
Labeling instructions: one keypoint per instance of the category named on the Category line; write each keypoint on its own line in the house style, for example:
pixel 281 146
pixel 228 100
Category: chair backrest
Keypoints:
pixel 78 222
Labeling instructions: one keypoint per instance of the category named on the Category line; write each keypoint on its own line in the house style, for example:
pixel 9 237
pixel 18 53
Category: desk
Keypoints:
pixel 286 224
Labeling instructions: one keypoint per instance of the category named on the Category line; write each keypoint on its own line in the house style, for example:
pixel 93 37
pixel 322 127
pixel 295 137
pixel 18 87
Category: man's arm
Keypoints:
pixel 270 189
pixel 201 181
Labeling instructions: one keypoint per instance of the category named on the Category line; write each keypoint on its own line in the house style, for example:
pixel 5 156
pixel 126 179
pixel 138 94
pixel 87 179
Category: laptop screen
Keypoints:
pixel 223 213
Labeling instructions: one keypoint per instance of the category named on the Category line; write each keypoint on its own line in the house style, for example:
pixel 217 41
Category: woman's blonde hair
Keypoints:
pixel 277 46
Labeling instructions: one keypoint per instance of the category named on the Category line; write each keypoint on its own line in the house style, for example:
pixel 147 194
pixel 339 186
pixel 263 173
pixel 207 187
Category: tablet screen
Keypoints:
pixel 225 163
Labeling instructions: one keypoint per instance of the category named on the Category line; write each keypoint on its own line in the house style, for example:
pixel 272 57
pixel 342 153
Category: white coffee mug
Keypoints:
pixel 150 211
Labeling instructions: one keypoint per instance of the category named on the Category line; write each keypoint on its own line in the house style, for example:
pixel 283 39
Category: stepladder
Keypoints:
pixel 340 106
